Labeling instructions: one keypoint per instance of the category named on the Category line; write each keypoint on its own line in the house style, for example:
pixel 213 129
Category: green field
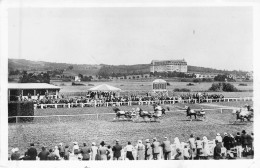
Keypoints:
pixel 52 130
pixel 145 86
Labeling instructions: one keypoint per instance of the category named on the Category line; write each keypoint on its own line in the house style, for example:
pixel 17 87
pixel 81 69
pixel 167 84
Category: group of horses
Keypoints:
pixel 147 116
pixel 242 114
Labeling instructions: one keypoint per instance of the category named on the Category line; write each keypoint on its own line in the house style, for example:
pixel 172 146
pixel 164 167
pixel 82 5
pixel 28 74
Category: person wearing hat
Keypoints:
pixel 67 153
pixel 61 150
pixel 238 145
pixel 103 151
pixel 43 155
pixel 15 154
pixel 75 148
pixel 85 151
pixel 56 151
pixel 129 151
pixel 226 142
pixel 94 150
pixel 217 151
pixel 148 150
pixel 166 149
pixel 219 138
pixel 140 150
pixel 192 145
pixel 32 152
pixel 52 155
pixel 117 150
pixel 156 150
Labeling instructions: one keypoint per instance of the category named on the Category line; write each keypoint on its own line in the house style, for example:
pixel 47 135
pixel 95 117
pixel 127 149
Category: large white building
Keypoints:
pixel 169 66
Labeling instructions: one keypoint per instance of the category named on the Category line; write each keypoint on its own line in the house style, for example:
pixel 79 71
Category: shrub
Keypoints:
pixel 77 84
pixel 168 84
pixel 66 80
pixel 190 84
pixel 196 80
pixel 181 90
pixel 20 108
pixel 225 87
pixel 242 84
pixel 90 84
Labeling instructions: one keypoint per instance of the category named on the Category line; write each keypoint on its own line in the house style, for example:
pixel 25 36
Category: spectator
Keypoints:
pixel 219 138
pixel 103 151
pixel 232 141
pixel 76 148
pixel 66 153
pixel 43 155
pixel 156 150
pixel 117 150
pixel 15 154
pixel 198 143
pixel 166 149
pixel 178 155
pixel 244 141
pixel 205 147
pixel 109 154
pixel 217 151
pixel 129 151
pixel 140 150
pixel 56 151
pixel 52 155
pixel 226 142
pixel 187 153
pixel 192 145
pixel 94 150
pixel 238 144
pixel 61 150
pixel 32 152
pixel 148 150
pixel 85 151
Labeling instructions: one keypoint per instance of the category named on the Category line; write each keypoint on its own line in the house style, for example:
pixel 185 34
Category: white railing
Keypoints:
pixel 130 103
pixel 97 115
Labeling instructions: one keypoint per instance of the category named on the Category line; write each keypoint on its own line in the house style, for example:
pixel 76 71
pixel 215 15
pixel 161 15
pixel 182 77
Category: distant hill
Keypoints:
pixel 87 69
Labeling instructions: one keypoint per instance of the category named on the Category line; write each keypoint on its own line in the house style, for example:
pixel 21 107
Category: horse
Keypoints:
pixel 242 114
pixel 144 114
pixel 127 114
pixel 190 112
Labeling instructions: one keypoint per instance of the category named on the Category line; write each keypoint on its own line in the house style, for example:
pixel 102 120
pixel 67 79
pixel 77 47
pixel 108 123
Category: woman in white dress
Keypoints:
pixel 205 147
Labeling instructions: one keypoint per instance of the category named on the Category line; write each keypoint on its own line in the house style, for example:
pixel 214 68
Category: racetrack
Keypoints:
pixel 50 131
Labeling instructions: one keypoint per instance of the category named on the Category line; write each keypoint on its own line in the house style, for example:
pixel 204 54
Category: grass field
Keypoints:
pixel 51 131
pixel 145 86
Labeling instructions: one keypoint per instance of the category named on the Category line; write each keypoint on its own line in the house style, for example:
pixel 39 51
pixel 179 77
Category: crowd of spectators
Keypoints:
pixel 104 97
pixel 224 146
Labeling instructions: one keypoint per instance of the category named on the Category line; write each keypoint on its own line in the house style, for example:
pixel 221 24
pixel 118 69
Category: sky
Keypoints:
pixel 215 37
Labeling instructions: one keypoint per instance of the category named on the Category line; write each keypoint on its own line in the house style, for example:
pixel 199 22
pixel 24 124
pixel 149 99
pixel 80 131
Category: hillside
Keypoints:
pixel 87 69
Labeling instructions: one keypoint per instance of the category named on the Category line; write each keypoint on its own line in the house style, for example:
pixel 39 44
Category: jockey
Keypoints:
pixel 202 111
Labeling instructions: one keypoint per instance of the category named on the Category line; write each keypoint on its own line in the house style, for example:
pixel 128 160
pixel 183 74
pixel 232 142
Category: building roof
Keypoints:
pixel 177 60
pixel 104 87
pixel 159 81
pixel 32 86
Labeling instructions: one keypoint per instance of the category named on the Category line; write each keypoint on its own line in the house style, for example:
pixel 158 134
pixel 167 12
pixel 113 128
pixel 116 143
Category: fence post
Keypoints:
pixel 55 106
pixel 68 105
pixel 82 105
pixel 95 103
pixel 41 106
pixel 221 111
pixel 16 120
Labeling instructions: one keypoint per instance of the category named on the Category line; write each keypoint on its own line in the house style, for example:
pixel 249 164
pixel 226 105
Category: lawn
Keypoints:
pixel 51 131
pixel 145 86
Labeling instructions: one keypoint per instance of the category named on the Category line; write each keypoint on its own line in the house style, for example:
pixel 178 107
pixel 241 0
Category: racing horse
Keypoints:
pixel 126 114
pixel 242 114
pixel 190 112
pixel 156 114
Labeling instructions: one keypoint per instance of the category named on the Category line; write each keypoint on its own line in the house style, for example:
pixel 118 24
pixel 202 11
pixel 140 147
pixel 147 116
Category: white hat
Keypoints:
pixel 93 143
pixel 75 143
pixel 16 149
pixel 147 140
pixel 218 134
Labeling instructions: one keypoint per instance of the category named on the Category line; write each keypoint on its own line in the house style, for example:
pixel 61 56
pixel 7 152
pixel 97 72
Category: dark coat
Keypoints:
pixel 117 150
pixel 227 142
pixel 32 153
pixel 15 156
pixel 85 153
pixel 217 152
pixel 43 155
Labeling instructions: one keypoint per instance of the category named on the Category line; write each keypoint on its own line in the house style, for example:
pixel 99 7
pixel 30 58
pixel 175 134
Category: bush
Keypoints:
pixel 90 84
pixel 20 108
pixel 196 80
pixel 77 84
pixel 242 84
pixel 190 84
pixel 66 80
pixel 181 90
pixel 225 87
pixel 168 84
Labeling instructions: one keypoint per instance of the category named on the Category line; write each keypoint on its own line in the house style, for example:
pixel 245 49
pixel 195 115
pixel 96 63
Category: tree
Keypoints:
pixel 70 67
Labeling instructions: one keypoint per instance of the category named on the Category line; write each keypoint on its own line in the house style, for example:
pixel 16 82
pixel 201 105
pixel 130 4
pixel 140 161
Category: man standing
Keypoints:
pixel 166 149
pixel 117 150
pixel 238 144
pixel 61 150
pixel 32 152
pixel 43 155
pixel 148 150
pixel 156 150
pixel 85 152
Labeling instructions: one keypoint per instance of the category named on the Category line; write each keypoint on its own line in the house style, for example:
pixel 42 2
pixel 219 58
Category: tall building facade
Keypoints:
pixel 168 66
